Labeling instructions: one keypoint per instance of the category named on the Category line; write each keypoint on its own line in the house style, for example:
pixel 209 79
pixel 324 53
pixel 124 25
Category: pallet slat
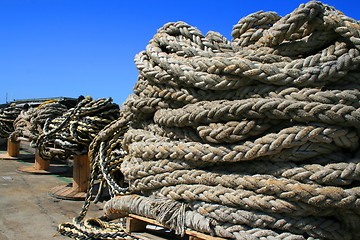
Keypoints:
pixel 135 223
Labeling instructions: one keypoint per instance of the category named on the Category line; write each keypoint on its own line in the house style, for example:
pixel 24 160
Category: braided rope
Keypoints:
pixel 264 184
pixel 268 145
pixel 30 123
pixel 122 206
pixel 74 130
pixel 206 112
pixel 94 229
pixel 327 228
pixel 257 136
pixel 7 117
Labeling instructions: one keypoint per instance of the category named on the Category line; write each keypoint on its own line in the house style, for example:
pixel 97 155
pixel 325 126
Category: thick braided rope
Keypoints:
pixel 122 206
pixel 192 95
pixel 327 173
pixel 247 199
pixel 282 188
pixel 324 227
pixel 206 112
pixel 74 130
pixel 258 135
pixel 22 123
pixel 30 123
pixel 268 145
pixel 94 229
pixel 7 117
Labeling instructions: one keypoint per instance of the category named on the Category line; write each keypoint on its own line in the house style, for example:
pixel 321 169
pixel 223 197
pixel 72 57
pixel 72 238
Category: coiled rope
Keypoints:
pixel 258 136
pixel 7 117
pixel 73 131
pixel 30 122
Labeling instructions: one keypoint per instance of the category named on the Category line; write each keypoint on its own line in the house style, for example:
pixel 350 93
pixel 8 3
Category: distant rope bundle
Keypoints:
pixel 258 137
pixel 30 122
pixel 7 118
pixel 73 131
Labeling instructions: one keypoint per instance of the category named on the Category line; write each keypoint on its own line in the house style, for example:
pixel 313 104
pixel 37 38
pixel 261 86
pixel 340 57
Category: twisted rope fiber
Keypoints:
pixel 283 188
pixel 7 117
pixel 122 206
pixel 115 128
pixel 193 95
pixel 205 112
pixel 335 174
pixel 102 229
pixel 94 229
pixel 30 123
pixel 262 220
pixel 264 146
pixel 74 130
pixel 258 136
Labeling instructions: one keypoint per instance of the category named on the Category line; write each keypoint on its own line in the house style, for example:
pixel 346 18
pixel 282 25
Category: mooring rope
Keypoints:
pixel 30 122
pixel 73 131
pixel 7 117
pixel 257 136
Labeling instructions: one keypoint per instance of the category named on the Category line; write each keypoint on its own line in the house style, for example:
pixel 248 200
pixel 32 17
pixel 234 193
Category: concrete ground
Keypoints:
pixel 26 209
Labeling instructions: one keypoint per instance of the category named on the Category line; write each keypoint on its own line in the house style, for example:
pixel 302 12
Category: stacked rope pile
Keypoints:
pixel 72 132
pixel 256 138
pixel 7 118
pixel 30 122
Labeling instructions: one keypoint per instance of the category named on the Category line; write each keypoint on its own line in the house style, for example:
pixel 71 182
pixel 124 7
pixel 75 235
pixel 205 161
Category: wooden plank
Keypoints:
pixel 147 236
pixel 201 236
pixel 194 238
pixel 148 220
pixel 193 235
pixel 135 225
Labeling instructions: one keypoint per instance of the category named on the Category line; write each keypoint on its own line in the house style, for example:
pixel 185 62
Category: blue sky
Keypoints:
pixel 67 48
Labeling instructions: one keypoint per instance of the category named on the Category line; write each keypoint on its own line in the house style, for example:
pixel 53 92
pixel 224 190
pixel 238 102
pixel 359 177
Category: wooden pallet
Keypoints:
pixel 138 227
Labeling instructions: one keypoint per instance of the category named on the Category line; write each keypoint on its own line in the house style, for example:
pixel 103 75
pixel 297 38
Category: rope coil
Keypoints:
pixel 30 123
pixel 74 129
pixel 258 135
pixel 7 117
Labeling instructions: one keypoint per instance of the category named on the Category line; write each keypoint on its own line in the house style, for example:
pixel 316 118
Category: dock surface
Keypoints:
pixel 26 209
